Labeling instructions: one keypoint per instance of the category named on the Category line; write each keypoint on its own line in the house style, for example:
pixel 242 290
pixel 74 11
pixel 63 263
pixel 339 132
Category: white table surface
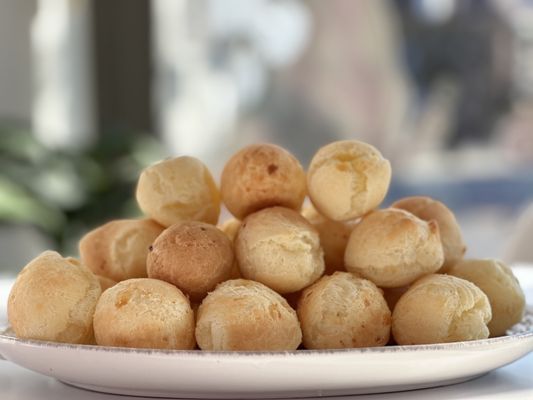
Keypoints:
pixel 514 381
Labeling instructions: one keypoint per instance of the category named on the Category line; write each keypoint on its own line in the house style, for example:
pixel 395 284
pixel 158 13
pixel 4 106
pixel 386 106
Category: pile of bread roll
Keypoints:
pixel 340 273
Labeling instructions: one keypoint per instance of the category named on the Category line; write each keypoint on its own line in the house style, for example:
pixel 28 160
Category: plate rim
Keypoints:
pixel 462 345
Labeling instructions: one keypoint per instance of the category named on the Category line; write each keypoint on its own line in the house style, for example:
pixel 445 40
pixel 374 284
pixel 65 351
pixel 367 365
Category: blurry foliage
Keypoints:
pixel 65 193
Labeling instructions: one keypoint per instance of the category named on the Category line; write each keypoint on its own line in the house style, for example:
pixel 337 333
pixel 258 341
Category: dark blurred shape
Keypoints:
pixel 473 47
pixel 122 57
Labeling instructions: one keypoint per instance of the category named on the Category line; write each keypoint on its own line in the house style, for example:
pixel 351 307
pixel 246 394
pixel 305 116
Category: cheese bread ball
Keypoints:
pixel 54 299
pixel 144 313
pixel 279 248
pixel 230 228
pixel 105 283
pixel 343 311
pixel 450 233
pixel 178 189
pixel 393 248
pixel 441 309
pixel 118 249
pixel 246 315
pixel 261 176
pixel 334 237
pixel 497 281
pixel 192 255
pixel 347 179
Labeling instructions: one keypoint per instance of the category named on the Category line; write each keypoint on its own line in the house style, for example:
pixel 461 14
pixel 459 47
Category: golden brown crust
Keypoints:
pixel 261 176
pixel 279 248
pixel 429 209
pixel 118 249
pixel 393 248
pixel 192 255
pixel 246 315
pixel 144 313
pixel 334 237
pixel 178 189
pixel 54 299
pixel 497 281
pixel 343 311
pixel 347 179
pixel 441 309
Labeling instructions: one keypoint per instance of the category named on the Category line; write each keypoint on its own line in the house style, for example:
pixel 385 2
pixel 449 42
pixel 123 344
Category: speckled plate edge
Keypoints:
pixel 519 332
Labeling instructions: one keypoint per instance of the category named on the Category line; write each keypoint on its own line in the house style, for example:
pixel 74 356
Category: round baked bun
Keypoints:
pixel 279 248
pixel 429 209
pixel 178 189
pixel 261 176
pixel 334 237
pixel 441 309
pixel 347 179
pixel 118 249
pixel 343 311
pixel 497 281
pixel 54 299
pixel 192 255
pixel 144 313
pixel 393 248
pixel 246 315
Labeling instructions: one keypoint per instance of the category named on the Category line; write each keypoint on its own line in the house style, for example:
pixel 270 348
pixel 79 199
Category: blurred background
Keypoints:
pixel 93 91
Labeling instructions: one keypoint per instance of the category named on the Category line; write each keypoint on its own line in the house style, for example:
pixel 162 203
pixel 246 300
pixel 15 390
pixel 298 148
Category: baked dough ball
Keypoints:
pixel 118 249
pixel 347 179
pixel 334 237
pixel 279 248
pixel 497 281
pixel 246 315
pixel 178 189
pixel 450 233
pixel 192 255
pixel 343 311
pixel 230 228
pixel 441 309
pixel 105 283
pixel 54 299
pixel 261 176
pixel 393 248
pixel 144 313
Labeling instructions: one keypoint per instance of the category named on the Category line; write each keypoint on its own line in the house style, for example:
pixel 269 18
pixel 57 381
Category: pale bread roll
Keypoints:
pixel 497 281
pixel 393 248
pixel 347 179
pixel 441 309
pixel 192 255
pixel 144 313
pixel 343 311
pixel 54 299
pixel 246 315
pixel 279 248
pixel 451 237
pixel 261 176
pixel 118 249
pixel 334 237
pixel 178 189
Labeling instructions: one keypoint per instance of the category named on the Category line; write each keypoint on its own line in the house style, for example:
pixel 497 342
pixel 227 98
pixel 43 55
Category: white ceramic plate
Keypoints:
pixel 196 374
